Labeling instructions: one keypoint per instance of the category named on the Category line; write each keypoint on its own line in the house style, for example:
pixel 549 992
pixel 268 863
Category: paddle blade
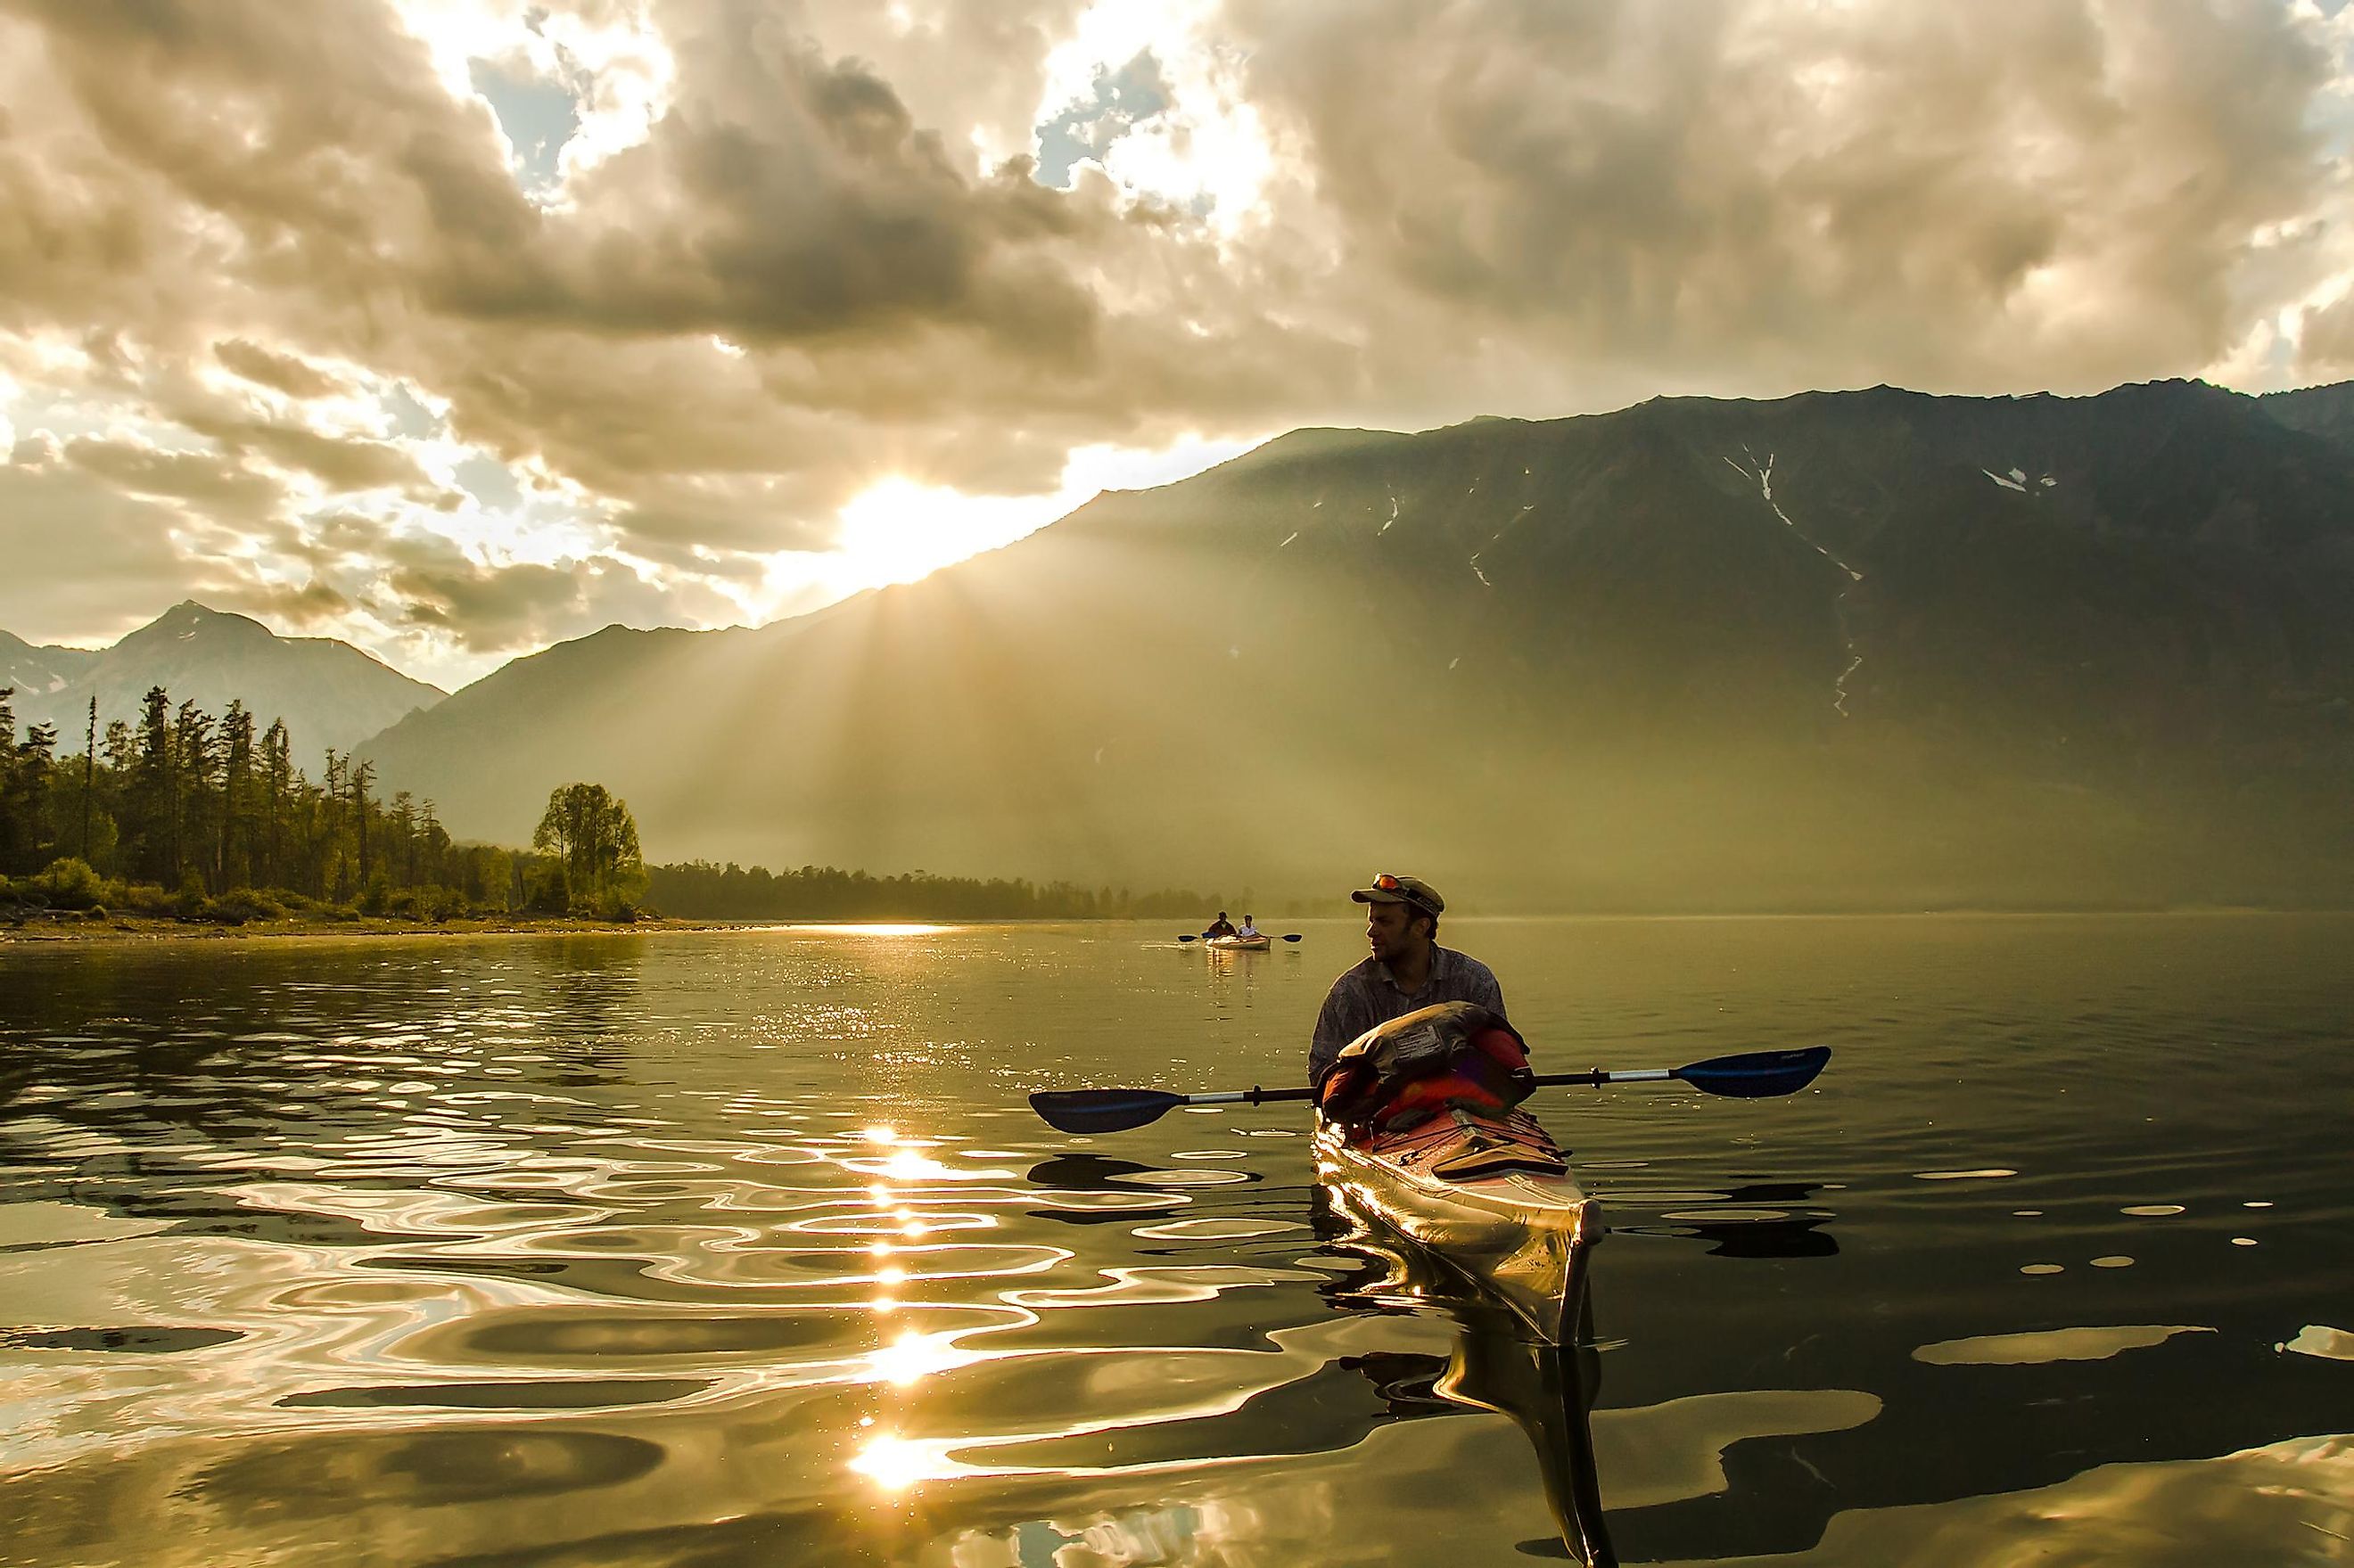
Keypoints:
pixel 1757 1074
pixel 1189 937
pixel 1102 1110
pixel 1291 936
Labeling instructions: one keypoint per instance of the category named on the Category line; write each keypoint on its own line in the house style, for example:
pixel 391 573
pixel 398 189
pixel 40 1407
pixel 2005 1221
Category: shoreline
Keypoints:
pixel 141 931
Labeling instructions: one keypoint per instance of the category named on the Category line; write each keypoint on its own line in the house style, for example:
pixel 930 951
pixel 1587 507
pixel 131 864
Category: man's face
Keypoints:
pixel 1391 931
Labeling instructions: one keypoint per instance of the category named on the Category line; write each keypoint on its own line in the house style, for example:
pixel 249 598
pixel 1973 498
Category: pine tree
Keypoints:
pixel 88 779
pixel 152 813
pixel 276 778
pixel 195 759
pixel 233 857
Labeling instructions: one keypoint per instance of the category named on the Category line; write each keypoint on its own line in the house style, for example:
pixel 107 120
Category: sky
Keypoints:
pixel 455 328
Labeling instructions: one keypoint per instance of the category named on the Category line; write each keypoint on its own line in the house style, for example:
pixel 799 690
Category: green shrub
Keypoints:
pixel 240 905
pixel 614 907
pixel 377 897
pixel 70 884
pixel 146 898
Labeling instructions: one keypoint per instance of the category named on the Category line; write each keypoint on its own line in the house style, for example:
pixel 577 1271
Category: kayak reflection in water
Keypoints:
pixel 1220 927
pixel 1547 1389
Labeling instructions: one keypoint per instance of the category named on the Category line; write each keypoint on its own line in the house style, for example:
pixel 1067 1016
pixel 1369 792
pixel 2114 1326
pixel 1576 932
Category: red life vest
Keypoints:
pixel 1476 1063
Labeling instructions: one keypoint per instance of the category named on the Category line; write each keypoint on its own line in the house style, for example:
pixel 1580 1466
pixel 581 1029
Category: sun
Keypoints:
pixel 898 530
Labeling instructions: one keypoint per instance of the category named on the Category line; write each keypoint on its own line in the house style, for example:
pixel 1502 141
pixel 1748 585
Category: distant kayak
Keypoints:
pixel 1258 944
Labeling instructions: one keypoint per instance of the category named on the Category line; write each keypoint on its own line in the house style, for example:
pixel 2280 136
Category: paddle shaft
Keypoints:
pixel 1752 1075
pixel 1257 1096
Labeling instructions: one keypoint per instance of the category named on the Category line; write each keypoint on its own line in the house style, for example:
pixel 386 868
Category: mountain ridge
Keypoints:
pixel 1875 643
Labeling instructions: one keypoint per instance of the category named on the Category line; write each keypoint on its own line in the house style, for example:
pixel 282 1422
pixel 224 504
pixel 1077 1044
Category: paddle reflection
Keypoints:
pixel 1763 1220
pixel 1098 1173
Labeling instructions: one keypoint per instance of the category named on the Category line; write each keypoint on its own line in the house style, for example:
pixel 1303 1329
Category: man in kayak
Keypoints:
pixel 1220 927
pixel 1407 969
pixel 1248 928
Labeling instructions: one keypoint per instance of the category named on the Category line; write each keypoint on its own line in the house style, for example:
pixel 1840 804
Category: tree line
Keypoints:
pixel 700 890
pixel 194 813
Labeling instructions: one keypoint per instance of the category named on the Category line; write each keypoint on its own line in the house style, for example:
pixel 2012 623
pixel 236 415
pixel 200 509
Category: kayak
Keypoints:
pixel 1240 944
pixel 1490 1197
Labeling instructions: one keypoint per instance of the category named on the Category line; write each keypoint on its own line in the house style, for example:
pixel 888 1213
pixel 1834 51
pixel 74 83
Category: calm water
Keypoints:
pixel 743 1247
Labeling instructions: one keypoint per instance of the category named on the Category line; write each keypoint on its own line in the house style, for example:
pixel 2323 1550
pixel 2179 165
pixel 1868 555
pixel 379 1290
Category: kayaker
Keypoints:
pixel 1248 929
pixel 1220 927
pixel 1407 969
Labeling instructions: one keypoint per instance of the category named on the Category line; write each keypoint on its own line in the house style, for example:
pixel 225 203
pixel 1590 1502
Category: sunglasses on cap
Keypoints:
pixel 1420 898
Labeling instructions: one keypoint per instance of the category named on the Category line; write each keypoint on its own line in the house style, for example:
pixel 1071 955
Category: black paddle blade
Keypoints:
pixel 1757 1075
pixel 1291 936
pixel 1188 936
pixel 1102 1110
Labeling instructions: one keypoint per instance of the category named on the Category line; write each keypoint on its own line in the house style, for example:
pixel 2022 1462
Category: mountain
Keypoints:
pixel 37 673
pixel 2324 411
pixel 1843 649
pixel 329 693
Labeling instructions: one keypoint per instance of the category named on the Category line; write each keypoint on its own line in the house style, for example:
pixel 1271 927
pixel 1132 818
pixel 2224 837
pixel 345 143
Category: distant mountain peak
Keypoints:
pixel 330 692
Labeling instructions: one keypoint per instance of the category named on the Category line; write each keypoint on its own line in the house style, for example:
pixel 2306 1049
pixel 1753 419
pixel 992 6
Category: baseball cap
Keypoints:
pixel 1388 889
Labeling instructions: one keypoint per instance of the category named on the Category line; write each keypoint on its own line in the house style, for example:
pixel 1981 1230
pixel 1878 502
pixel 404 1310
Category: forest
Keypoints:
pixel 197 816
pixel 203 816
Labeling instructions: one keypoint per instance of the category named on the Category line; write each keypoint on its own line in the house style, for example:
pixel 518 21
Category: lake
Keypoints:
pixel 742 1246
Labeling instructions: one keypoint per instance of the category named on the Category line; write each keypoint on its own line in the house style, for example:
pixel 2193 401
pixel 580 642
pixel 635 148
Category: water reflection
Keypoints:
pixel 1547 1389
pixel 741 1247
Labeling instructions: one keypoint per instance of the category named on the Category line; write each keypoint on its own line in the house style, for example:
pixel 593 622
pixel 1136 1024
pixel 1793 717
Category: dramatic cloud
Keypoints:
pixel 671 311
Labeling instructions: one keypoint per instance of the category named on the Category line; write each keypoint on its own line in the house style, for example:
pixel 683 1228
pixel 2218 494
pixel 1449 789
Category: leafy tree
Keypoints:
pixel 593 836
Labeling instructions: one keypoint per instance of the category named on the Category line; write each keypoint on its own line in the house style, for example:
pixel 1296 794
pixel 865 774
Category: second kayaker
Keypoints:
pixel 1220 927
pixel 1406 970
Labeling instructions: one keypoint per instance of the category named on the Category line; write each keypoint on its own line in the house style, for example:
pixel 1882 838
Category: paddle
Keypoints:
pixel 1752 1075
pixel 1287 936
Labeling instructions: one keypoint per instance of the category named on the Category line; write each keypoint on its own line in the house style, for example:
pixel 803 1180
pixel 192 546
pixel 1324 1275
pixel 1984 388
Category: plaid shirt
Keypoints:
pixel 1369 994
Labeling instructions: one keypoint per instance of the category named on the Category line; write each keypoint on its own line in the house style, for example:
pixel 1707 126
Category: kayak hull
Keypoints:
pixel 1239 944
pixel 1521 1237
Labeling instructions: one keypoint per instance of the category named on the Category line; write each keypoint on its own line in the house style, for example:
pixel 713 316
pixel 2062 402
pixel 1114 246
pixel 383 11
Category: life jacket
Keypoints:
pixel 1454 1055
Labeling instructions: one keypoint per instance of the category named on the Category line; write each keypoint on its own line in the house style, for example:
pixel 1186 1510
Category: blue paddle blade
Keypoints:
pixel 1102 1110
pixel 1757 1075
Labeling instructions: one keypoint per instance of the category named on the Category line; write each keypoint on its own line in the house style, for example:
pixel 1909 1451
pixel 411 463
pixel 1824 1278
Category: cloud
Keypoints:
pixel 506 608
pixel 219 481
pixel 303 607
pixel 693 275
pixel 86 563
pixel 1755 197
pixel 284 372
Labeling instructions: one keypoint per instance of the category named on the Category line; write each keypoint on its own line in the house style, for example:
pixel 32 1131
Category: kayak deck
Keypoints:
pixel 1511 1220
pixel 1240 944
